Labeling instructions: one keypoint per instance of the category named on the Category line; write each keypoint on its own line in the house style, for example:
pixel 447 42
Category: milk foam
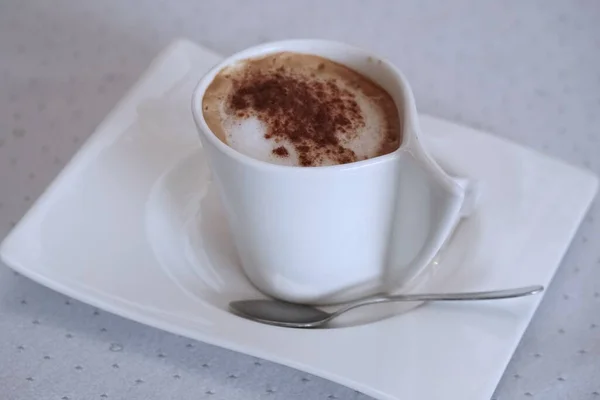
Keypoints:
pixel 247 135
pixel 371 133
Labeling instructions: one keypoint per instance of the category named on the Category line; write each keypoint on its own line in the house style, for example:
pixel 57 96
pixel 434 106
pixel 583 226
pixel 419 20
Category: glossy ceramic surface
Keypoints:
pixel 334 234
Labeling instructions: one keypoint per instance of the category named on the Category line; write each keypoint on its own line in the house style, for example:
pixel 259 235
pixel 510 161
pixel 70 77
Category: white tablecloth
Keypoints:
pixel 525 70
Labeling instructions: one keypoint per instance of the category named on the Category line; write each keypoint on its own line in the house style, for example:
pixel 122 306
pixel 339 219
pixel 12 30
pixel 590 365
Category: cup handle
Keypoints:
pixel 429 205
pixel 472 192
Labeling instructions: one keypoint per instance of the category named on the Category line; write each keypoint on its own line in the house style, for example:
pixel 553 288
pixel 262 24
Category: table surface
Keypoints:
pixel 527 71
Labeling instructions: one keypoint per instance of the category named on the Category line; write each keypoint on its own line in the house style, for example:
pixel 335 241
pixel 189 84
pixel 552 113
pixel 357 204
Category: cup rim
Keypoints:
pixel 409 108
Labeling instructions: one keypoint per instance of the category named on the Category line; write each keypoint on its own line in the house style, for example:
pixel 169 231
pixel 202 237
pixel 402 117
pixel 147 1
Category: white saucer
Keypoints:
pixel 133 226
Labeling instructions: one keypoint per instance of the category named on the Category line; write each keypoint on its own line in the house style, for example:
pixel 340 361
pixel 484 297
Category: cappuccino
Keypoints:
pixel 301 110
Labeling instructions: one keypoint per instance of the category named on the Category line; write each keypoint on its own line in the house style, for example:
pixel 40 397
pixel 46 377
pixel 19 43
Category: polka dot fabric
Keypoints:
pixel 527 71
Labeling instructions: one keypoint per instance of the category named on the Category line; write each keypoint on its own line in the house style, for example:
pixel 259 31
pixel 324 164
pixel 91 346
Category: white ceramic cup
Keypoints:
pixel 330 234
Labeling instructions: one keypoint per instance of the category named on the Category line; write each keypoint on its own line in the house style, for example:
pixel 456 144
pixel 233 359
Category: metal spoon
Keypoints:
pixel 290 315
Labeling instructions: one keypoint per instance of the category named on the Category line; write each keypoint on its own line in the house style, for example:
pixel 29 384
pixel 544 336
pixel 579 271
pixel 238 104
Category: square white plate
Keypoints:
pixel 132 226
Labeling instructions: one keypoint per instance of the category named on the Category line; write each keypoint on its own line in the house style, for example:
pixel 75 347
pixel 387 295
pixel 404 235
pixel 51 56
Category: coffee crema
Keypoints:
pixel 301 110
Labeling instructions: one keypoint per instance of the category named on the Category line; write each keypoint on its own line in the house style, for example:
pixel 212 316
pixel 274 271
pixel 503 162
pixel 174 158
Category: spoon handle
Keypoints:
pixel 464 296
pixel 487 295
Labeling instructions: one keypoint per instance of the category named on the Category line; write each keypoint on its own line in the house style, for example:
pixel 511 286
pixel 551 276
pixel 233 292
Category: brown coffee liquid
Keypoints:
pixel 300 109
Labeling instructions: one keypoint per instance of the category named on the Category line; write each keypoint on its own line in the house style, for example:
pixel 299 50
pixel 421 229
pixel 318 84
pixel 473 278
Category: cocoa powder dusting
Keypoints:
pixel 314 115
pixel 281 151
